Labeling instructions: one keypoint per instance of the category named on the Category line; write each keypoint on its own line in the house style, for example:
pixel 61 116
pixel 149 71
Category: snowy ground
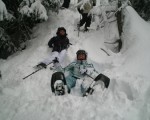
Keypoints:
pixel 128 97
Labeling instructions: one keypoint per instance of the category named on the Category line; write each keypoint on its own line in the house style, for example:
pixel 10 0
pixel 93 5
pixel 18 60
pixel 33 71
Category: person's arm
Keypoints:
pixel 90 71
pixel 50 43
pixel 70 66
pixel 67 68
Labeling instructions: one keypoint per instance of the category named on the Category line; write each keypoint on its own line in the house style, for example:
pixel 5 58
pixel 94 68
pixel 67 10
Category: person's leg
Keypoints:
pixel 88 21
pixel 71 81
pixel 85 84
pixel 50 58
pixel 83 20
pixel 80 11
pixel 62 55
pixel 66 3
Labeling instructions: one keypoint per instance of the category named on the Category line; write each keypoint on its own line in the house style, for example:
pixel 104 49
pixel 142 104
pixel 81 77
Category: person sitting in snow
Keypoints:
pixel 84 7
pixel 76 70
pixel 60 44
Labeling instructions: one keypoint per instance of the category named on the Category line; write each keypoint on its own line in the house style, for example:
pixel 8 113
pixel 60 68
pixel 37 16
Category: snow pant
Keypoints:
pixel 71 81
pixel 86 19
pixel 59 55
pixel 66 3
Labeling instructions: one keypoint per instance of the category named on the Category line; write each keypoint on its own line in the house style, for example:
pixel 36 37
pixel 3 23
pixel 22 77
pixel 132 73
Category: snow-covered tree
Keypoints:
pixel 3 11
pixel 32 8
pixel 17 18
pixel 52 5
pixel 39 11
pixel 142 7
pixel 6 45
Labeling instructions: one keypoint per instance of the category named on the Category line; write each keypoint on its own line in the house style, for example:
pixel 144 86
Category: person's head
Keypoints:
pixel 81 55
pixel 61 31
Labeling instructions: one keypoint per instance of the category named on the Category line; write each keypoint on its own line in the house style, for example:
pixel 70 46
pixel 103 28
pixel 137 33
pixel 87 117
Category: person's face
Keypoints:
pixel 62 32
pixel 81 57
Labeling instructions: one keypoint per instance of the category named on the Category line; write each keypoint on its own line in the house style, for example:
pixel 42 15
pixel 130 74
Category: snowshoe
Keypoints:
pixel 104 79
pixel 58 84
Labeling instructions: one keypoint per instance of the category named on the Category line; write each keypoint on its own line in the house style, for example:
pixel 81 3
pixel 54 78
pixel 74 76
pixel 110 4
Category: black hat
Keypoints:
pixel 61 28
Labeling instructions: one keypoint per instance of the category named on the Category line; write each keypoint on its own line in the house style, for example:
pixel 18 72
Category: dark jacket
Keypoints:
pixel 58 43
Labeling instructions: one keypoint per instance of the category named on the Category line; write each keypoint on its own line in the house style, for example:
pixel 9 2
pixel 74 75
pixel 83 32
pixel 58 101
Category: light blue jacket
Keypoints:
pixel 72 72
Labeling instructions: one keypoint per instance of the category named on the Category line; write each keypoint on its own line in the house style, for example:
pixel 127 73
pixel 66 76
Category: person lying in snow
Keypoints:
pixel 84 6
pixel 60 44
pixel 76 70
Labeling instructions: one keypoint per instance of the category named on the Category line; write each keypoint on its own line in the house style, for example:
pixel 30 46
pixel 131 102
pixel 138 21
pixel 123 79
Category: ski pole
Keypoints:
pixel 35 71
pixel 32 73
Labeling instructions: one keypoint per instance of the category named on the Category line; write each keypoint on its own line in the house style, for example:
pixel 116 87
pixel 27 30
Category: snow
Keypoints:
pixel 127 98
pixel 39 10
pixel 36 8
pixel 3 11
pixel 25 10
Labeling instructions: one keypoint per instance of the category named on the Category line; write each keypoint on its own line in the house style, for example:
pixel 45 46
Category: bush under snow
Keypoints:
pixel 33 9
pixel 39 10
pixel 3 11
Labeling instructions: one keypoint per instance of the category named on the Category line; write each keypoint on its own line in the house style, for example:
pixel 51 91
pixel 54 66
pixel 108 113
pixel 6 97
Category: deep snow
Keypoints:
pixel 127 98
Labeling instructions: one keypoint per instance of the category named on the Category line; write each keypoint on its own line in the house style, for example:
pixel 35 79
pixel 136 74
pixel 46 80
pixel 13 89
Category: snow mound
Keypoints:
pixel 127 98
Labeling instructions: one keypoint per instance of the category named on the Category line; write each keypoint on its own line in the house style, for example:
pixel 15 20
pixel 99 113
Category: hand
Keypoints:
pixel 43 65
pixel 83 71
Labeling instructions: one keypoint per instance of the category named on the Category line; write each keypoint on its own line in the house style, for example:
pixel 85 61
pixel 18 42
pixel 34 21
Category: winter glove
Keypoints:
pixel 43 65
pixel 56 60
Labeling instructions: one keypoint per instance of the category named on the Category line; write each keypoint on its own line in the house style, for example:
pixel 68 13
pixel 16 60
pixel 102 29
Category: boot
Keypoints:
pixel 59 88
pixel 86 29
